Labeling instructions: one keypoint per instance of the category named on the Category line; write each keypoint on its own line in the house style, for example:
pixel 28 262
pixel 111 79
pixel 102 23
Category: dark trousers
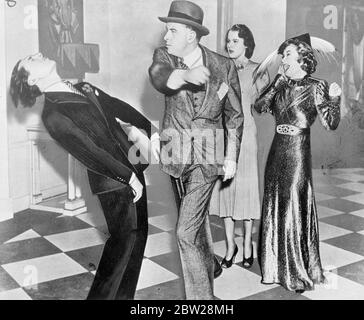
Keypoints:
pixel 118 271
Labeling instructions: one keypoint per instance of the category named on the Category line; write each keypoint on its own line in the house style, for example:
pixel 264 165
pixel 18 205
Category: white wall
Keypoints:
pixel 266 20
pixel 5 200
pixel 21 40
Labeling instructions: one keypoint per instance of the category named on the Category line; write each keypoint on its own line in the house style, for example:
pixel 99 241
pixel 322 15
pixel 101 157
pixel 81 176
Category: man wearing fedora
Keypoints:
pixel 201 133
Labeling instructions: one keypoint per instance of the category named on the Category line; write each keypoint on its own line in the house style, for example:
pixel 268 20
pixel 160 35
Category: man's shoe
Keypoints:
pixel 300 291
pixel 217 268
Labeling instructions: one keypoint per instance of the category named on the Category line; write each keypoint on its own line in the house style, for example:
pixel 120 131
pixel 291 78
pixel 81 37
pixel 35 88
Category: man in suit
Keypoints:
pixel 202 109
pixel 85 121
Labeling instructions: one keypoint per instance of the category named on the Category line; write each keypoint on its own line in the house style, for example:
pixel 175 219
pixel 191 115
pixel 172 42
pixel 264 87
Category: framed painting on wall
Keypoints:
pixel 61 38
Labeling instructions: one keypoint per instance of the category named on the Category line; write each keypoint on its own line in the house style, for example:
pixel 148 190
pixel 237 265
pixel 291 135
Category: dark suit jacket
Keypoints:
pixel 93 136
pixel 220 114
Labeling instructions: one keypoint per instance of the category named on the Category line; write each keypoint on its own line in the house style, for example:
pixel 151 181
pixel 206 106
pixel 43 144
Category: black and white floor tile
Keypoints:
pixel 45 255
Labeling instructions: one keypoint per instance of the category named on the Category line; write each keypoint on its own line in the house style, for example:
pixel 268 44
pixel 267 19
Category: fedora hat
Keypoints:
pixel 188 13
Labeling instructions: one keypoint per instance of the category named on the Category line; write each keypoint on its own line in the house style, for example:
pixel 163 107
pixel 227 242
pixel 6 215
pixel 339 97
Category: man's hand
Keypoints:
pixel 130 130
pixel 197 76
pixel 136 186
pixel 229 169
pixel 334 90
pixel 155 146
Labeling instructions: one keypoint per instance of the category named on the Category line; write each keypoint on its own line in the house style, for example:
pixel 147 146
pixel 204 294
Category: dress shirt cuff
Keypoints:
pixel 155 136
pixel 175 80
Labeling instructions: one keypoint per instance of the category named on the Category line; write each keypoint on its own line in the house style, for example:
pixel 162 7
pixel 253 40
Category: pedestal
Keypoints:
pixel 69 204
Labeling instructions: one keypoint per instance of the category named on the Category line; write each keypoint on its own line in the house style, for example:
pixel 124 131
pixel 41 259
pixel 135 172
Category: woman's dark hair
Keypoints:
pixel 244 33
pixel 20 90
pixel 305 53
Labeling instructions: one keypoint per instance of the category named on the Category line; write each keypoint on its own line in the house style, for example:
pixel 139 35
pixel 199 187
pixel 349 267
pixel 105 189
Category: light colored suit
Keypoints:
pixel 202 126
pixel 221 107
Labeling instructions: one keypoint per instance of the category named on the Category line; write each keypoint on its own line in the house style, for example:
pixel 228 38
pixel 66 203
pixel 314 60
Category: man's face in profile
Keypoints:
pixel 38 67
pixel 176 38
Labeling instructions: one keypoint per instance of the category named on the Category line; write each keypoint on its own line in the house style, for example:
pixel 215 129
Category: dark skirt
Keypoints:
pixel 289 247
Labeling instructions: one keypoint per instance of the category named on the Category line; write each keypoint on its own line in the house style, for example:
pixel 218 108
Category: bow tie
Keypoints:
pixel 73 89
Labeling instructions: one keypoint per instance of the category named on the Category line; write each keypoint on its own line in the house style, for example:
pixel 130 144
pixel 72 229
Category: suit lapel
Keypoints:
pixel 89 92
pixel 207 63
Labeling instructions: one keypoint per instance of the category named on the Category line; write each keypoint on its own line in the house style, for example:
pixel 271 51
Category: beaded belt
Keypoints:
pixel 290 130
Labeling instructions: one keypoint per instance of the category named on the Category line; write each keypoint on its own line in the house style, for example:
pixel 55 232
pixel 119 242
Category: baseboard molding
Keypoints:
pixel 6 209
pixel 46 208
pixel 21 204
pixel 54 191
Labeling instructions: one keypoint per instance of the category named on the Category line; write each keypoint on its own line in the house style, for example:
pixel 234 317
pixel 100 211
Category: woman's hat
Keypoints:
pixel 322 48
pixel 302 37
pixel 188 13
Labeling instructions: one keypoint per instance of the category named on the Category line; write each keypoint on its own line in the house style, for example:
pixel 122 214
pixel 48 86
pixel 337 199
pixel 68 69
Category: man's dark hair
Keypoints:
pixel 245 34
pixel 305 53
pixel 20 90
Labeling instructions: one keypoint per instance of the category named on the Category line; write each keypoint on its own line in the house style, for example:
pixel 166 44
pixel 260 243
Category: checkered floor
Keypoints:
pixel 49 256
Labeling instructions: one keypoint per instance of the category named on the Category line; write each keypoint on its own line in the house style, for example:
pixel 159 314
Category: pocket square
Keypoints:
pixel 222 90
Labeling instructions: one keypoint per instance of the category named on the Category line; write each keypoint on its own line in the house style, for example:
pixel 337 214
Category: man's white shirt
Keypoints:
pixel 192 60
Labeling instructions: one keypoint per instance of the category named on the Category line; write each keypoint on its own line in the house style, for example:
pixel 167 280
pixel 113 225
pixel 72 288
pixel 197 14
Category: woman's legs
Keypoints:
pixel 248 229
pixel 230 235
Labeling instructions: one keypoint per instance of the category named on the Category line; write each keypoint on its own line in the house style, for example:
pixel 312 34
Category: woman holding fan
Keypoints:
pixel 289 228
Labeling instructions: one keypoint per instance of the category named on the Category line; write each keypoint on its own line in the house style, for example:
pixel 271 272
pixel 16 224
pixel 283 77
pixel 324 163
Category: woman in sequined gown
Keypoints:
pixel 239 199
pixel 289 248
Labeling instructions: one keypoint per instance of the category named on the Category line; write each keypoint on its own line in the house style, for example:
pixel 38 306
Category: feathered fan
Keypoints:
pixel 322 48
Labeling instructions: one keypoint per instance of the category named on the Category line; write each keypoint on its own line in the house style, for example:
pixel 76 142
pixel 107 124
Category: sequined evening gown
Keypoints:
pixel 289 248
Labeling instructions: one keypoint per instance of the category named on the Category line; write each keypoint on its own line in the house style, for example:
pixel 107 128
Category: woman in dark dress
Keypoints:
pixel 289 232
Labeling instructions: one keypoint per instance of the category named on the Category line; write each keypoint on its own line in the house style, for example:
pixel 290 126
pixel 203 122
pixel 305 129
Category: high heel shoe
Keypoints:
pixel 217 268
pixel 248 262
pixel 228 263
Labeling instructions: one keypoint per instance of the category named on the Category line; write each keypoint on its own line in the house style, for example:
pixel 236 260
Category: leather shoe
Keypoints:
pixel 300 291
pixel 217 268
